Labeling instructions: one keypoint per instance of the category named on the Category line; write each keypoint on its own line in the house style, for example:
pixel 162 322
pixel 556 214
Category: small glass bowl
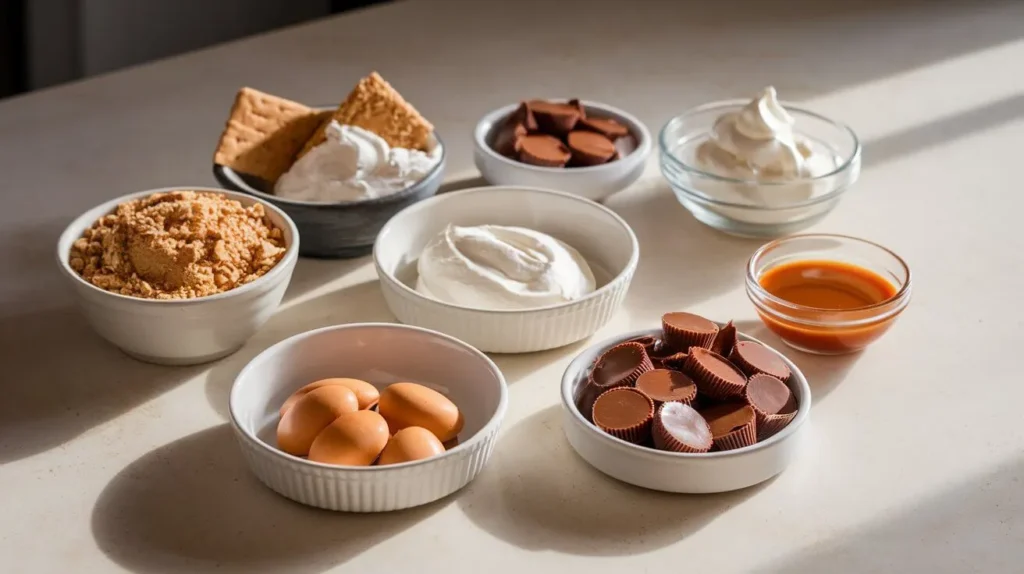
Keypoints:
pixel 732 205
pixel 824 331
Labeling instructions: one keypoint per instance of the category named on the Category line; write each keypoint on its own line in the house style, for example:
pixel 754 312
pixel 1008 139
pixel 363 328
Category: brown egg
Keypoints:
pixel 353 439
pixel 411 405
pixel 410 443
pixel 311 414
pixel 365 392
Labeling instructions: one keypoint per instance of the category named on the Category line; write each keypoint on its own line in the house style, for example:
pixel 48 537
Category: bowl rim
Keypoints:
pixel 848 165
pixel 290 256
pixel 578 366
pixel 900 298
pixel 626 271
pixel 487 430
pixel 638 129
pixel 232 179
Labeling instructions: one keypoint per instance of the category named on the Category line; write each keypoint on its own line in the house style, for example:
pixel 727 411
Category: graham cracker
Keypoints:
pixel 375 106
pixel 264 134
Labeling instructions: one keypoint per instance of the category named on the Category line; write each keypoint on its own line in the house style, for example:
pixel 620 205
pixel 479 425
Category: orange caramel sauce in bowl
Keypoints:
pixel 827 294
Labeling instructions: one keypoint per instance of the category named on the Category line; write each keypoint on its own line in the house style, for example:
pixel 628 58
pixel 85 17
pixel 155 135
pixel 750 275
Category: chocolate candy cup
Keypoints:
pixel 590 148
pixel 554 118
pixel 543 150
pixel 665 386
pixel 715 376
pixel 733 425
pixel 607 127
pixel 754 358
pixel 523 116
pixel 576 103
pixel 619 366
pixel 685 330
pixel 678 427
pixel 624 413
pixel 773 403
pixel 508 140
pixel 725 340
pixel 675 361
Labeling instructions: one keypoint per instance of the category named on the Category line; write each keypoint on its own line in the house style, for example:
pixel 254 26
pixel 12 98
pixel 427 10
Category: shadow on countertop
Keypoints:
pixel 577 510
pixel 974 527
pixel 192 506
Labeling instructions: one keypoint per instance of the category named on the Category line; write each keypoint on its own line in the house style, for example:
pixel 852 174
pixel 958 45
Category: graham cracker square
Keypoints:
pixel 375 106
pixel 264 134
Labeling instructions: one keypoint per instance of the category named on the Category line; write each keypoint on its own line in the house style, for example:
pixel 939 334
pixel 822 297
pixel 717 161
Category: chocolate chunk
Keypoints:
pixel 543 150
pixel 607 127
pixel 523 116
pixel 590 148
pixel 665 385
pixel 725 340
pixel 755 358
pixel 553 118
pixel 576 103
pixel 508 140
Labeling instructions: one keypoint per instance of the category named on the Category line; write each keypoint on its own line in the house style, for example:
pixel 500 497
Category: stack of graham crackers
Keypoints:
pixel 266 134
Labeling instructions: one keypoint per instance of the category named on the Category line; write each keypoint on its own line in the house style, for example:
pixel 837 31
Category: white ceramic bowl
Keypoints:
pixel 188 331
pixel 594 182
pixel 671 471
pixel 601 236
pixel 380 353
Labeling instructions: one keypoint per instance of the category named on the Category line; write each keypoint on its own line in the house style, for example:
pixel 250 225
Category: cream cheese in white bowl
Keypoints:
pixel 601 238
pixel 502 267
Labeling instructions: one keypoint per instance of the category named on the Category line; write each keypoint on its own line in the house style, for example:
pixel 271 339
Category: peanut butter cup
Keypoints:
pixel 590 148
pixel 733 425
pixel 725 340
pixel 715 376
pixel 607 127
pixel 679 428
pixel 664 386
pixel 619 366
pixel 507 141
pixel 554 118
pixel 523 116
pixel 543 150
pixel 773 402
pixel 576 103
pixel 685 330
pixel 625 413
pixel 755 358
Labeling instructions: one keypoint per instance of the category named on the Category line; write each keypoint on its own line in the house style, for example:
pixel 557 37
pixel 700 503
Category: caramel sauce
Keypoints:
pixel 830 285
pixel 825 288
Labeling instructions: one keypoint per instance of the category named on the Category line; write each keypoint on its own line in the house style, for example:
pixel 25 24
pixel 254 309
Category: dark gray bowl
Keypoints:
pixel 337 230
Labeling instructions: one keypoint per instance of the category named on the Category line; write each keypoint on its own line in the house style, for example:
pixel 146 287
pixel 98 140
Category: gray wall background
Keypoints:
pixel 70 39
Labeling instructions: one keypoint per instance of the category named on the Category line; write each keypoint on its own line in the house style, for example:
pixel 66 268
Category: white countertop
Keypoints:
pixel 915 458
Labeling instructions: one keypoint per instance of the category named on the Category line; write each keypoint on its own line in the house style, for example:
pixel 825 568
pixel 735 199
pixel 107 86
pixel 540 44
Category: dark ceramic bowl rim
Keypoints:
pixel 232 180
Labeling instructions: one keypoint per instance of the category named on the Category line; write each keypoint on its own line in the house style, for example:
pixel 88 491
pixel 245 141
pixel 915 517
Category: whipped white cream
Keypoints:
pixel 354 164
pixel 498 267
pixel 758 143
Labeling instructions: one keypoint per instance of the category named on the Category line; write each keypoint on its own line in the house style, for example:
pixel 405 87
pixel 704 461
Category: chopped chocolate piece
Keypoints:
pixel 543 150
pixel 590 148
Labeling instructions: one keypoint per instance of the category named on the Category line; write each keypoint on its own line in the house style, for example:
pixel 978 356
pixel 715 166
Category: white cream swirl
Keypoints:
pixel 497 267
pixel 354 164
pixel 758 142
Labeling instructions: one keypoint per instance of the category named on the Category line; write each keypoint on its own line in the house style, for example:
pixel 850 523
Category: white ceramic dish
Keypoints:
pixel 180 332
pixel 601 236
pixel 595 182
pixel 671 471
pixel 379 353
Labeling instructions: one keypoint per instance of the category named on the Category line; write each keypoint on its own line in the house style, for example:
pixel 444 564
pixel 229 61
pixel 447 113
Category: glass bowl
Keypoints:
pixel 741 206
pixel 827 331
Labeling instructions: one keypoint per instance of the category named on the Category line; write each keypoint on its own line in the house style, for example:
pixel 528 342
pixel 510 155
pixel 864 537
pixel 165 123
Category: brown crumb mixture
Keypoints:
pixel 178 245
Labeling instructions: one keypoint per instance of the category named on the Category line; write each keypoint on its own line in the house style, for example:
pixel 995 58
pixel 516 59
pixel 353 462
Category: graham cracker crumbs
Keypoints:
pixel 375 106
pixel 178 245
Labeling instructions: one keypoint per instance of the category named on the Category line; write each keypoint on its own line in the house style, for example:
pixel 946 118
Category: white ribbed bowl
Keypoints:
pixel 381 353
pixel 674 471
pixel 601 236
